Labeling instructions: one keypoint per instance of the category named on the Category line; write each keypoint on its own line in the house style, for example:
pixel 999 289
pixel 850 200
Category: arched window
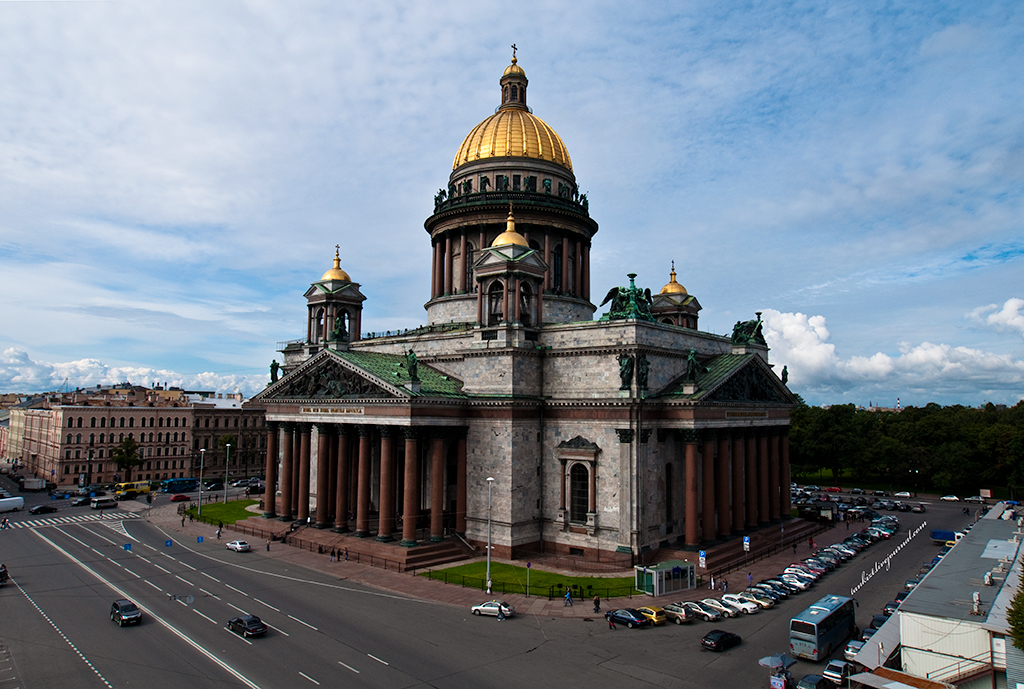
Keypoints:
pixel 162 422
pixel 69 438
pixel 669 493
pixel 526 303
pixel 102 438
pixel 131 422
pixel 78 439
pixel 668 321
pixel 176 422
pixel 496 303
pixel 103 422
pixel 150 437
pixel 79 421
pixel 120 437
pixel 579 493
pixel 71 422
pixel 318 326
pixel 122 422
pixel 92 438
pixel 152 422
pixel 515 93
pixel 92 422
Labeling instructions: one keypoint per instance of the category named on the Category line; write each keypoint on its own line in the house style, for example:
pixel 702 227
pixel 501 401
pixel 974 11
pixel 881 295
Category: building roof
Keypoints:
pixel 393 368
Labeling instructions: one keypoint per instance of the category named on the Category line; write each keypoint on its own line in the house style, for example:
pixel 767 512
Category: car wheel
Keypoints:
pixel 476 612
pixel 679 620
pixel 120 622
pixel 629 625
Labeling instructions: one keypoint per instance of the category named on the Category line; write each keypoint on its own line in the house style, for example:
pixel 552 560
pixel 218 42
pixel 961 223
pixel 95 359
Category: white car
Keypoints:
pixel 748 607
pixel 492 607
pixel 902 494
pixel 238 546
pixel 949 498
pixel 793 580
pixel 717 606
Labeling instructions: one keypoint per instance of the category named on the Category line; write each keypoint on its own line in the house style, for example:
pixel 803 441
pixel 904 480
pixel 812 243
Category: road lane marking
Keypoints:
pixel 81 543
pixel 187 565
pixel 174 630
pixel 266 604
pixel 203 616
pixel 185 580
pixel 132 573
pixel 309 678
pixel 237 590
pixel 244 612
pixel 155 586
pixel 211 595
pixel 349 667
pixel 211 577
pixel 115 562
pixel 305 623
pixel 166 571
pixel 276 629
pixel 378 659
pixel 145 560
pixel 147 545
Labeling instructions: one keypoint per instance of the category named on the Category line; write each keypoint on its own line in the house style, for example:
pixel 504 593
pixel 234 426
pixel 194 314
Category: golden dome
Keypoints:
pixel 673 287
pixel 513 131
pixel 510 236
pixel 336 273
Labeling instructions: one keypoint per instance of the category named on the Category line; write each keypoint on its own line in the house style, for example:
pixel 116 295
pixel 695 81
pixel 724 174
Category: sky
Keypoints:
pixel 174 175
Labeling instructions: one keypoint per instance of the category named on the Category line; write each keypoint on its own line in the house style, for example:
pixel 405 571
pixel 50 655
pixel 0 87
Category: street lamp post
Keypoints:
pixel 227 461
pixel 202 463
pixel 490 484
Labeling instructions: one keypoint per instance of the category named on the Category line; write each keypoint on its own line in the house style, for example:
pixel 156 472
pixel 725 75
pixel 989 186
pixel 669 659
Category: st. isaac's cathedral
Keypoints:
pixel 599 436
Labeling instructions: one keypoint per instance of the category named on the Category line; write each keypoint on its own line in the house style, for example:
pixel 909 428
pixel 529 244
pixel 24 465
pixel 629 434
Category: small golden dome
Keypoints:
pixel 514 68
pixel 336 273
pixel 510 236
pixel 673 287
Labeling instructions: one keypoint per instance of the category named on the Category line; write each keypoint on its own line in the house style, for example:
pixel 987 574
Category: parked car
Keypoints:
pixel 492 607
pixel 757 597
pixel 42 509
pixel 919 508
pixel 878 620
pixel 852 649
pixel 867 633
pixel 238 546
pixel 653 613
pixel 180 497
pixel 856 491
pixel 630 617
pixel 912 583
pixel 746 606
pixel 720 608
pixel 975 499
pixel 880 493
pixel 702 611
pixel 247 625
pixel 949 498
pixel 679 613
pixel 719 640
pixel 838 671
pixel 902 494
pixel 813 681
pixel 834 489
pixel 123 611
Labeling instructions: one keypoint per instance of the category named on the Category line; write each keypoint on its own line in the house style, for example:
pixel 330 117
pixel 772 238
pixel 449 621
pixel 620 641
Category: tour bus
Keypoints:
pixel 822 628
pixel 180 485
pixel 139 487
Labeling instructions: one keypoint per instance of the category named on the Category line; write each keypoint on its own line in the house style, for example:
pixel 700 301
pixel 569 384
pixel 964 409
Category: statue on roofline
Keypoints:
pixel 628 302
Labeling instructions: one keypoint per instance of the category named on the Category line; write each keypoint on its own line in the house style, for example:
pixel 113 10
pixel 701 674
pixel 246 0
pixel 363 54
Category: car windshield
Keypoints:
pixel 128 607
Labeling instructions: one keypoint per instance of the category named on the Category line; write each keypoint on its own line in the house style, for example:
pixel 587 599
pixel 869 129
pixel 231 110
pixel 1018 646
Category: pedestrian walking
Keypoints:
pixel 810 542
pixel 189 517
pixel 346 554
pixel 725 586
pixel 611 621
pixel 794 548
pixel 568 597
pixel 268 545
pixel 597 603
pixel 183 521
pixel 750 579
pixel 218 533
pixel 712 587
pixel 501 613
pixel 334 554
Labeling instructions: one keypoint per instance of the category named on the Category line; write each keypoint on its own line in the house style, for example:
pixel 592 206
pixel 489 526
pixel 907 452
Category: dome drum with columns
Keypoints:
pixel 606 439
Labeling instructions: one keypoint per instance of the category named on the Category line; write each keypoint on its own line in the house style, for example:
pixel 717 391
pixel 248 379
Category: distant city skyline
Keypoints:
pixel 176 174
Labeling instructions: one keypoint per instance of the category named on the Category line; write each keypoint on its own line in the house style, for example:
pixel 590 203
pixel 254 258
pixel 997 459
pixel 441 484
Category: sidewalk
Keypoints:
pixel 166 517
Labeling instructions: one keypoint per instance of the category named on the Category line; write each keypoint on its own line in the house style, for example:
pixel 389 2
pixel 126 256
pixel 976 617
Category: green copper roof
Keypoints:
pixel 392 368
pixel 713 372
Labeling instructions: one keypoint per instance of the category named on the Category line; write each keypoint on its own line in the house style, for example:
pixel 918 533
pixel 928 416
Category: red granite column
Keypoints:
pixel 480 306
pixel 341 491
pixel 296 455
pixel 708 484
pixel 305 432
pixel 323 473
pixel 460 486
pixel 286 472
pixel 786 478
pixel 448 260
pixel 565 266
pixel 724 486
pixel 363 484
pixel 751 472
pixel 387 484
pixel 738 482
pixel 411 509
pixel 773 475
pixel 462 255
pixel 762 476
pixel 355 332
pixel 437 489
pixel 270 472
pixel 332 466
pixel 690 436
pixel 433 273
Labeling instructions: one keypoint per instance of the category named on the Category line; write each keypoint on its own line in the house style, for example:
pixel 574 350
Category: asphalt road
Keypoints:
pixel 330 632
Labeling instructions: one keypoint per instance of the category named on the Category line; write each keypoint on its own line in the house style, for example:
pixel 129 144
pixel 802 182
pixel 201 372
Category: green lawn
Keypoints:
pixel 229 512
pixel 512 579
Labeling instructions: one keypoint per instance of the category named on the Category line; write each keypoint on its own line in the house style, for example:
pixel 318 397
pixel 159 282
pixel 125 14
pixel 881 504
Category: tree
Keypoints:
pixel 126 456
pixel 1015 618
pixel 222 443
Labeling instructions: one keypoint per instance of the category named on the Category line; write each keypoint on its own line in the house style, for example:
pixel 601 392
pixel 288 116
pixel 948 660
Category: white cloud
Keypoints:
pixel 1010 317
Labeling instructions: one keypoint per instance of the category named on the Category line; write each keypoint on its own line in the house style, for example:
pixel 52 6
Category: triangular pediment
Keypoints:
pixel 744 378
pixel 326 376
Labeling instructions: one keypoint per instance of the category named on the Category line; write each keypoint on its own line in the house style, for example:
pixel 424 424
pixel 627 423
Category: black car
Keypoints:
pixel 42 509
pixel 247 625
pixel 891 607
pixel 719 640
pixel 878 620
pixel 629 617
pixel 79 502
pixel 123 611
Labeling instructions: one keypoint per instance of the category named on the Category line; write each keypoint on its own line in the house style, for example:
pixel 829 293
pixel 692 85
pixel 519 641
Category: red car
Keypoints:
pixel 179 498
pixel 834 489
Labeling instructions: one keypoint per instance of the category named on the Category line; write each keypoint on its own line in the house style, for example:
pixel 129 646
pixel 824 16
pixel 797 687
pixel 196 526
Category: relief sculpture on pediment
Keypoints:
pixel 748 385
pixel 329 381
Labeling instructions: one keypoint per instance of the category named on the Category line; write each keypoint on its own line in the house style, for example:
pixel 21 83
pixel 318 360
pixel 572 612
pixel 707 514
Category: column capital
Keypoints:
pixel 273 425
pixel 387 431
pixel 410 432
pixel 691 436
pixel 645 435
pixel 363 430
pixel 342 429
pixel 288 426
pixel 323 428
pixel 625 435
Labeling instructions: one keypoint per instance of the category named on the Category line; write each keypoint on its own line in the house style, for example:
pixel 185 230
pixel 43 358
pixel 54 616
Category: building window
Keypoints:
pixel 131 422
pixel 162 422
pixel 67 468
pixel 92 422
pixel 579 493
pixel 71 423
pixel 79 421
pixel 92 438
pixel 101 453
pixel 176 422
pixel 516 182
pixel 78 439
pixel 495 303
pixel 103 422
pixel 122 422
pixel 68 439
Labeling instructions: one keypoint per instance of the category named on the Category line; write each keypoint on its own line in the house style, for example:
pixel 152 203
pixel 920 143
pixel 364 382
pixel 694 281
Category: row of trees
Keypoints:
pixel 945 449
pixel 128 455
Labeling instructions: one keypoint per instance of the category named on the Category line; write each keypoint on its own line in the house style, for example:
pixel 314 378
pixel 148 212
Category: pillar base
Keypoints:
pixel 323 525
pixel 409 544
pixel 283 518
pixel 436 539
pixel 362 534
pixel 384 538
pixel 270 515
pixel 340 529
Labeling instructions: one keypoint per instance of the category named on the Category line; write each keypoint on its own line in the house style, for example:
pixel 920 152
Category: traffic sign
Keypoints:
pixel 168 543
pixel 703 559
pixel 746 544
pixel 127 546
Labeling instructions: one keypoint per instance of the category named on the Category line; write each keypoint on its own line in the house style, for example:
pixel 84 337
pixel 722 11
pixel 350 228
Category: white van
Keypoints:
pixel 11 504
pixel 102 503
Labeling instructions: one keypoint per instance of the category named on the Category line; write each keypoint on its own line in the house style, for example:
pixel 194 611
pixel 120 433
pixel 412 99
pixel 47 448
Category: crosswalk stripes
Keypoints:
pixel 105 519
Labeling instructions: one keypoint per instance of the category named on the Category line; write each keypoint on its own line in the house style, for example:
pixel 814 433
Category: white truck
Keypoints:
pixel 34 484
pixel 11 504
